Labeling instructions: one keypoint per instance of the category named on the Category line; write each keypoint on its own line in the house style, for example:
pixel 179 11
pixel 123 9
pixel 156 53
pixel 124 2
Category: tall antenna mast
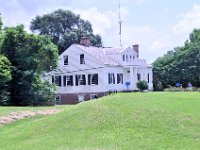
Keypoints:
pixel 120 26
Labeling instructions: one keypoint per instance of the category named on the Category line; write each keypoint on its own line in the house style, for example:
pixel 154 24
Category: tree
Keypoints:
pixel 180 65
pixel 5 77
pixel 30 55
pixel 65 28
pixel 1 23
pixel 142 85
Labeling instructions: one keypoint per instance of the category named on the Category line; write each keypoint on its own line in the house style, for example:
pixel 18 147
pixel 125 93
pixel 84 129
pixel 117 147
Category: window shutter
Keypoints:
pixel 113 78
pixel 53 81
pixel 84 80
pixel 96 76
pixel 76 80
pixel 71 79
pixel 118 78
pixel 59 80
pixel 109 78
pixel 64 80
pixel 89 78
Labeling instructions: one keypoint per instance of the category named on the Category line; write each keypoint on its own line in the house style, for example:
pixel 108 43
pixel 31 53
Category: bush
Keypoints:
pixel 142 85
pixel 173 89
pixel 159 86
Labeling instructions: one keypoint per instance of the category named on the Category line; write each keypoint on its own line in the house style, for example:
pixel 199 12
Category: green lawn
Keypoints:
pixel 124 121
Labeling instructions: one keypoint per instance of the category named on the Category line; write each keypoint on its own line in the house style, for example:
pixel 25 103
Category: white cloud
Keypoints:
pixel 100 21
pixel 188 22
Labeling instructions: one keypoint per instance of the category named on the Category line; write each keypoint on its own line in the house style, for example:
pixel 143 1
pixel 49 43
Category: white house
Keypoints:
pixel 86 72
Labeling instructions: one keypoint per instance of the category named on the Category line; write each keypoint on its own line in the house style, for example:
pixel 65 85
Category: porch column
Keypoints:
pixel 135 78
pixel 131 78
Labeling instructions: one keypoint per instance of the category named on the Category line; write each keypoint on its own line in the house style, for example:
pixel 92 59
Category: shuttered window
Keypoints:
pixel 68 80
pixel 80 79
pixel 119 78
pixel 56 80
pixel 92 79
pixel 111 78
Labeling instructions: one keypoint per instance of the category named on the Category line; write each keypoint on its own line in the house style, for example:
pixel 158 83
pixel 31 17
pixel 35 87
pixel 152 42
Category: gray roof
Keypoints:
pixel 100 53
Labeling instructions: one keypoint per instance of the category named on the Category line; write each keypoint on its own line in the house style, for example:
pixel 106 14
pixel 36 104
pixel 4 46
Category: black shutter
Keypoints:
pixel 118 78
pixel 64 80
pixel 89 77
pixel 59 80
pixel 96 76
pixel 71 79
pixel 122 79
pixel 84 80
pixel 76 80
pixel 109 78
pixel 113 78
pixel 53 81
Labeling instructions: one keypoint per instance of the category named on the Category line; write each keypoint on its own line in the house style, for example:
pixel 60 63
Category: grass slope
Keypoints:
pixel 122 121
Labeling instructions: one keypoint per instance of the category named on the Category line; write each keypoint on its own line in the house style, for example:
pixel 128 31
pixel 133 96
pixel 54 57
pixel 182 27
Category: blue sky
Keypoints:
pixel 156 25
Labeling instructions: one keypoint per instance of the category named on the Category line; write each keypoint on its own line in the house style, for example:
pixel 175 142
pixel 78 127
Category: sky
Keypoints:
pixel 156 25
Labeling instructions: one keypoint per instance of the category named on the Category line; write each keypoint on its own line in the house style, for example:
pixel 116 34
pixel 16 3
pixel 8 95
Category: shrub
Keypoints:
pixel 142 85
pixel 159 86
pixel 173 89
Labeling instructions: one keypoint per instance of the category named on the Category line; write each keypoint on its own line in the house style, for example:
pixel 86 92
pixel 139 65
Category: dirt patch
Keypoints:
pixel 13 116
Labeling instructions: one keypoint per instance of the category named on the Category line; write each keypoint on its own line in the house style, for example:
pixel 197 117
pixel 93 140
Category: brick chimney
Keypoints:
pixel 85 41
pixel 136 49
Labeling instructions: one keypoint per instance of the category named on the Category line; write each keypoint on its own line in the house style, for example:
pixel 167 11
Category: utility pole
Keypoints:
pixel 120 26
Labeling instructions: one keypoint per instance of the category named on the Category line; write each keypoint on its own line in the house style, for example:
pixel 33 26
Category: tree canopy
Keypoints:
pixel 65 28
pixel 182 64
pixel 30 55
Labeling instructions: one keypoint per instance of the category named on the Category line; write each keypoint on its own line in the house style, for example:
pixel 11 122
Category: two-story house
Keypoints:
pixel 85 72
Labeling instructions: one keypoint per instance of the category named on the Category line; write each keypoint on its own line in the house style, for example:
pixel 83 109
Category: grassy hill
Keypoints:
pixel 123 121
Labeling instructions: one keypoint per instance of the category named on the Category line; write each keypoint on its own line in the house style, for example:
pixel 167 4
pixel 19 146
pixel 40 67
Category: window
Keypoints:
pixel 130 57
pixel 126 57
pixel 123 57
pixel 148 77
pixel 65 59
pixel 92 79
pixel 82 60
pixel 119 78
pixel 133 57
pixel 139 76
pixel 111 78
pixel 56 80
pixel 68 80
pixel 80 79
pixel 58 99
pixel 93 96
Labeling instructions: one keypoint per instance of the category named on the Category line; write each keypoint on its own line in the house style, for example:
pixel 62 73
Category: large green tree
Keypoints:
pixel 65 28
pixel 5 77
pixel 182 64
pixel 5 72
pixel 30 55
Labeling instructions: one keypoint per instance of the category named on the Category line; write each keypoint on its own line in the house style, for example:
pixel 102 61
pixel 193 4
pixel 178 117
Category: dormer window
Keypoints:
pixel 65 59
pixel 82 59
